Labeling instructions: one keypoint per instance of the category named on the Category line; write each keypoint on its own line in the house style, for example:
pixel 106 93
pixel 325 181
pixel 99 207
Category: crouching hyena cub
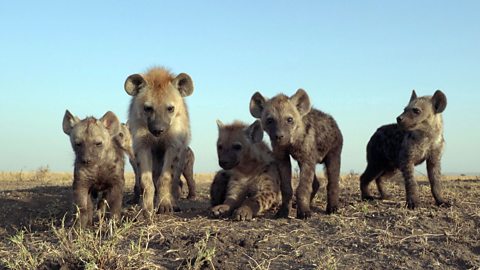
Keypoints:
pixel 160 127
pixel 250 181
pixel 99 163
pixel 417 136
pixel 310 137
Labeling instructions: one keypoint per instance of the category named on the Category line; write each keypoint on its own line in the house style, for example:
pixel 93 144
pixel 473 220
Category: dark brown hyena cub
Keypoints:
pixel 310 137
pixel 250 181
pixel 99 164
pixel 417 136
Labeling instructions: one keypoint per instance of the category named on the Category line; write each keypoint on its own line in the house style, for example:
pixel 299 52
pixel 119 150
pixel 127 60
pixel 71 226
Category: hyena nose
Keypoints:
pixel 158 132
pixel 399 119
pixel 222 163
pixel 87 161
pixel 278 137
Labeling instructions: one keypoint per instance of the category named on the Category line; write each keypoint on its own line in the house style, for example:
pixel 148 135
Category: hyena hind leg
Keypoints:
pixel 252 206
pixel 371 173
pixel 380 181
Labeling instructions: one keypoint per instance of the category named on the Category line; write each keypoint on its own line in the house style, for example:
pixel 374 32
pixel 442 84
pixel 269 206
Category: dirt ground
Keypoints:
pixel 363 235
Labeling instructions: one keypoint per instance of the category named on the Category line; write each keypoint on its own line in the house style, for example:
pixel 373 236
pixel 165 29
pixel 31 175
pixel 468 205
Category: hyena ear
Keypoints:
pixel 413 96
pixel 257 104
pixel 301 100
pixel 220 125
pixel 69 121
pixel 134 83
pixel 255 132
pixel 111 122
pixel 439 101
pixel 184 84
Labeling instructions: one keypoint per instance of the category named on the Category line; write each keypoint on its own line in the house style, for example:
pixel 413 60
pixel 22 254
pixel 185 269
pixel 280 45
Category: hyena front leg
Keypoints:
pixel 304 190
pixel 188 174
pixel 114 199
pixel 332 165
pixel 410 185
pixel 144 159
pixel 83 204
pixel 433 170
pixel 285 171
pixel 167 184
pixel 236 193
pixel 265 198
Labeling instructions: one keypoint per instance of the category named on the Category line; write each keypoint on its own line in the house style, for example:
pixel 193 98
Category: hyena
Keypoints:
pixel 160 127
pixel 99 163
pixel 308 135
pixel 417 136
pixel 252 183
pixel 124 141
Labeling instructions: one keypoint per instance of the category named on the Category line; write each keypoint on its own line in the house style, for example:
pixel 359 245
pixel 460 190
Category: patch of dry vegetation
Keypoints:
pixel 363 235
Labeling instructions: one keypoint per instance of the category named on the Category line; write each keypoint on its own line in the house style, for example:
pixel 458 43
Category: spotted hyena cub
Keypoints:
pixel 250 181
pixel 310 137
pixel 99 163
pixel 417 136
pixel 160 127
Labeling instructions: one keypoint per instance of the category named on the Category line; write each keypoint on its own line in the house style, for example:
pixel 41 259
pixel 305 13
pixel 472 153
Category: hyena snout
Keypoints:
pixel 157 129
pixel 400 119
pixel 227 164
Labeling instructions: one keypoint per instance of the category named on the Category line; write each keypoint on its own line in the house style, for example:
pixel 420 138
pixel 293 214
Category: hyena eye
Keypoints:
pixel 78 144
pixel 237 147
pixel 148 109
pixel 416 111
pixel 98 144
pixel 269 121
pixel 290 120
pixel 170 109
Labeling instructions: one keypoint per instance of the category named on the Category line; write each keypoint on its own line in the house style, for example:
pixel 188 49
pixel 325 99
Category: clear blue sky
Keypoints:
pixel 358 60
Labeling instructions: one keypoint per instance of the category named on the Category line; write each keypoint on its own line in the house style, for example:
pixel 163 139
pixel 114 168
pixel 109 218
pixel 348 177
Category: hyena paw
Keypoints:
pixel 243 213
pixel 385 197
pixel 445 204
pixel 220 210
pixel 165 208
pixel 367 197
pixel 282 212
pixel 191 196
pixel 303 213
pixel 411 204
pixel 331 209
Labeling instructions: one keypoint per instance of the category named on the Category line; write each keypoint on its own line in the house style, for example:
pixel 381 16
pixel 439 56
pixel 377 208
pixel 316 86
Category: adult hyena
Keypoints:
pixel 253 184
pixel 99 163
pixel 160 127
pixel 310 137
pixel 417 136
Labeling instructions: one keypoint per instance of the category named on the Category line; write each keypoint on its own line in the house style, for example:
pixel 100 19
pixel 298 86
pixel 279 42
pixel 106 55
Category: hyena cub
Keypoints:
pixel 99 163
pixel 310 137
pixel 250 181
pixel 160 127
pixel 417 136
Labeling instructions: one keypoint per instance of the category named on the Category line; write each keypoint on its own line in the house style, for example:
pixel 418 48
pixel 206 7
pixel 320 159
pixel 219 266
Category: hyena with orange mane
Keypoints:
pixel 160 126
pixel 249 183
